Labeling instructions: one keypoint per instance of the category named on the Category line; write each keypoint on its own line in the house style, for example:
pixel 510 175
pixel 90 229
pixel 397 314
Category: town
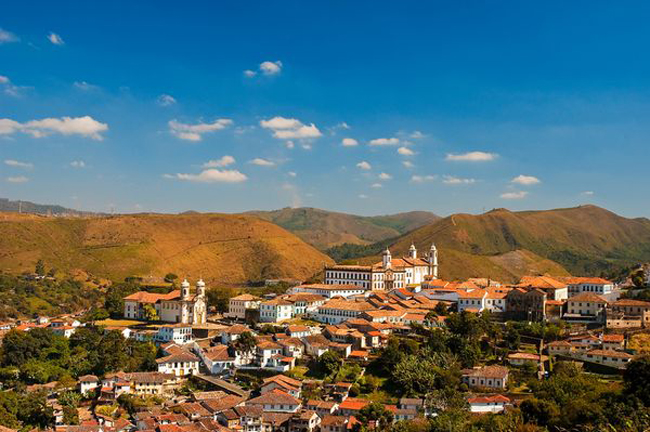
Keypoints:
pixel 367 347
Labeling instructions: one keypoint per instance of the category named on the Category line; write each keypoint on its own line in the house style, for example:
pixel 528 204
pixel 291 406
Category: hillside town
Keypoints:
pixel 352 352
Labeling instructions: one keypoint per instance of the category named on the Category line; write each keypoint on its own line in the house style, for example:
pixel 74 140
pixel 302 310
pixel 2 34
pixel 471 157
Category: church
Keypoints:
pixel 390 273
pixel 178 306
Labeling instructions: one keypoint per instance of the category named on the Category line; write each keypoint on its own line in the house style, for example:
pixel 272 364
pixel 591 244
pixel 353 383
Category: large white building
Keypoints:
pixel 178 306
pixel 388 274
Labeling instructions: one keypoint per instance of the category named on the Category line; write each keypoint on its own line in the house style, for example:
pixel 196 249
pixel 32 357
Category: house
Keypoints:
pixel 88 383
pixel 472 301
pixel 553 288
pixel 488 376
pixel 526 304
pixel 237 306
pixel 276 310
pixel 337 423
pixel 178 306
pixel 181 363
pixel 283 383
pixel 305 421
pixel 276 401
pixel 522 358
pixel 336 311
pixel 411 404
pixel 586 307
pixel 352 406
pixel 194 411
pixel 559 348
pixel 617 359
pixel 298 331
pixel 628 308
pixel 65 330
pixel 613 342
pixel 292 347
pixel 322 408
pixel 595 285
pixel 177 333
pixel 232 333
pixel 488 404
pixel 304 303
pixel 218 359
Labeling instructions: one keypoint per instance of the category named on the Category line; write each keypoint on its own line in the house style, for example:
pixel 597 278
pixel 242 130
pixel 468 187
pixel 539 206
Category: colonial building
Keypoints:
pixel 178 306
pixel 388 274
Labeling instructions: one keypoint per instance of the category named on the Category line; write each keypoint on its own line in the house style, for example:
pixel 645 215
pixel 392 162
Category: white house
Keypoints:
pixel 488 404
pixel 595 285
pixel 237 306
pixel 178 333
pixel 276 401
pixel 88 383
pixel 472 301
pixel 276 310
pixel 336 311
pixel 218 359
pixel 182 363
pixel 488 376
pixel 330 290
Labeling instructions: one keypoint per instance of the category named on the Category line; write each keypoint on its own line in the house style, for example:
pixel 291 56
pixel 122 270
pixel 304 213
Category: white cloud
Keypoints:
pixel 17 179
pixel 342 125
pixel 408 164
pixel 290 128
pixel 195 132
pixel 18 164
pixel 422 178
pixel 292 174
pixel 166 100
pixel 262 162
pixel 306 146
pixel 78 164
pixel 475 156
pixel 514 195
pixel 271 68
pixel 385 176
pixel 364 165
pixel 218 163
pixel 249 73
pixel 84 86
pixel 55 39
pixel 384 141
pixel 362 196
pixel 451 180
pixel 4 79
pixel 525 180
pixel 417 135
pixel 289 144
pixel 376 185
pixel 7 36
pixel 212 176
pixel 588 193
pixel 85 126
pixel 405 151
pixel 349 142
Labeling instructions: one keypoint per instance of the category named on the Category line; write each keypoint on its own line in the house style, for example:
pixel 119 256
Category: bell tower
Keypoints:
pixel 433 261
pixel 185 290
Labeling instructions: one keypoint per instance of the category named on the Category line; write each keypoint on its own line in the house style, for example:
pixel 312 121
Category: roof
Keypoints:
pixel 543 282
pixel 353 404
pixel 147 297
pixel 576 280
pixel 488 399
pixel 282 380
pixel 526 356
pixel 178 357
pixel 487 372
pixel 359 306
pixel 223 403
pixel 333 420
pixel 613 338
pixel 237 329
pixel 274 397
pixel 245 297
pixel 328 287
pixel 631 302
pixel 474 294
pixel 297 328
pixel 587 297
pixel 218 353
pixel 88 378
pixel 610 353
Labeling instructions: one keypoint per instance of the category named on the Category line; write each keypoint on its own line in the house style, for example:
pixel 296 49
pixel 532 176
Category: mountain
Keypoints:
pixel 325 229
pixel 583 240
pixel 230 249
pixel 43 209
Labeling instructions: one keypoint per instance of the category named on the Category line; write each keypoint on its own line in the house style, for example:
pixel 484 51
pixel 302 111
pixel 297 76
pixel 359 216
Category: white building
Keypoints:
pixel 178 306
pixel 388 274
pixel 237 306
pixel 336 311
pixel 88 383
pixel 218 359
pixel 487 404
pixel 178 333
pixel 180 364
pixel 276 310
pixel 598 286
pixel 330 290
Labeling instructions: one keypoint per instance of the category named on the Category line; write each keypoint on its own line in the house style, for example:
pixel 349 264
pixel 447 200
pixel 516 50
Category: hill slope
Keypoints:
pixel 220 248
pixel 583 240
pixel 325 229
pixel 43 209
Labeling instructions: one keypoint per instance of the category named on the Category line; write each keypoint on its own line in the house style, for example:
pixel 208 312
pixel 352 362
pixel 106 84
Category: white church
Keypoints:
pixel 178 306
pixel 390 273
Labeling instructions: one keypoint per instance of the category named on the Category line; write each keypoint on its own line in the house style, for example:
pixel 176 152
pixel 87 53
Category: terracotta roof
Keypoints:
pixel 488 399
pixel 218 353
pixel 328 287
pixel 221 404
pixel 526 356
pixel 283 380
pixel 613 338
pixel 147 297
pixel 178 357
pixel 544 282
pixel 353 404
pixel 631 302
pixel 359 306
pixel 245 297
pixel 587 297
pixel 88 378
pixel 474 294
pixel 610 353
pixel 487 372
pixel 275 396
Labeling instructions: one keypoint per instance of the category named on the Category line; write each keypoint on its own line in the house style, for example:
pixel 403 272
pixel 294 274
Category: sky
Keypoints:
pixel 366 107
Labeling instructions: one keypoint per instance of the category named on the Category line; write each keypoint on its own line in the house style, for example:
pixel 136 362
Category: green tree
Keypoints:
pixel 39 269
pixel 376 413
pixel 219 298
pixel 245 343
pixel 637 379
pixel 150 313
pixel 171 278
pixel 329 362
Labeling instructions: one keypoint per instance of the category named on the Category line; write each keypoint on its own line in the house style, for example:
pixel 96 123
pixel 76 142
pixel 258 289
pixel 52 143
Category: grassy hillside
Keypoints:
pixel 43 209
pixel 220 248
pixel 325 229
pixel 583 240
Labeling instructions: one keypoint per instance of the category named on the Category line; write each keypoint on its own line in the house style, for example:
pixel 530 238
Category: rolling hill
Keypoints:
pixel 324 229
pixel 583 240
pixel 221 248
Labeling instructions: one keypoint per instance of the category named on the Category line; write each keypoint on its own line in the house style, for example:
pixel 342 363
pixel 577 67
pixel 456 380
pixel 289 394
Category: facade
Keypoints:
pixel 388 274
pixel 237 306
pixel 526 304
pixel 276 310
pixel 488 404
pixel 586 307
pixel 598 286
pixel 177 333
pixel 178 306
pixel 179 364
pixel 331 290
pixel 336 311
pixel 495 377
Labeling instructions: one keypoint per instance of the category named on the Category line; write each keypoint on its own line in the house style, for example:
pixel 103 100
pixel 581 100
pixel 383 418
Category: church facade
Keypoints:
pixel 390 273
pixel 178 306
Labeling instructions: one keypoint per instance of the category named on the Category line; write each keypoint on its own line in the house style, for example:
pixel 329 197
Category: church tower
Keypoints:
pixel 200 288
pixel 433 261
pixel 185 290
pixel 413 252
pixel 386 259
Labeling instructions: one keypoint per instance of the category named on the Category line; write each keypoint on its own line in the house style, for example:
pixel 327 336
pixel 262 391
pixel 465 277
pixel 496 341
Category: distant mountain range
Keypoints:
pixel 42 209
pixel 324 229
pixel 501 244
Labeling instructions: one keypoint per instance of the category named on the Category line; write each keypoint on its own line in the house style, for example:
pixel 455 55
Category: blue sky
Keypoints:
pixel 233 106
